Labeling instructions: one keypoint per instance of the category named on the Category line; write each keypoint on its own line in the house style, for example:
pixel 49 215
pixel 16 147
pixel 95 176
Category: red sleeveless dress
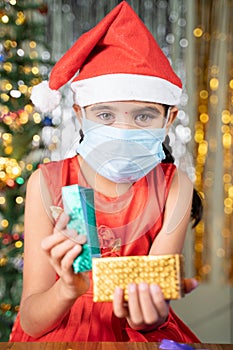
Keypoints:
pixel 133 219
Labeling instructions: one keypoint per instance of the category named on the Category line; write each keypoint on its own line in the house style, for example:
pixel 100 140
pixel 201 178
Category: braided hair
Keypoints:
pixel 197 206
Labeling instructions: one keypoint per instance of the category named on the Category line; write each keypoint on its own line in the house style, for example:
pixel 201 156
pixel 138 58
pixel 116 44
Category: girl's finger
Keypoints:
pixel 119 307
pixel 148 307
pixel 158 299
pixel 69 257
pixel 74 236
pixel 61 222
pixel 60 250
pixel 61 228
pixel 52 240
pixel 135 311
pixel 190 284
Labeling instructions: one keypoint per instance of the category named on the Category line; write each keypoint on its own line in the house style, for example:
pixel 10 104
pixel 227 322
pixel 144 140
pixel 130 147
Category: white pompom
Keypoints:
pixel 44 98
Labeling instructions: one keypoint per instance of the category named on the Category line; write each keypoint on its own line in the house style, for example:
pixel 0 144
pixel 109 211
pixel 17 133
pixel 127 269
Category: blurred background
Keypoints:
pixel 197 38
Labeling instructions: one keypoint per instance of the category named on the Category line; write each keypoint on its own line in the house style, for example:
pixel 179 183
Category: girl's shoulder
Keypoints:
pixel 59 168
pixel 171 171
pixel 54 166
pixel 166 171
pixel 57 174
pixel 168 168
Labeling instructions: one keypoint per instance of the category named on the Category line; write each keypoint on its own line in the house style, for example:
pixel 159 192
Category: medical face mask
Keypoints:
pixel 121 155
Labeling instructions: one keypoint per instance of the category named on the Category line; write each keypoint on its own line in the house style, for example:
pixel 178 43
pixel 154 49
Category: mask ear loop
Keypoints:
pixel 83 112
pixel 167 117
pixel 76 123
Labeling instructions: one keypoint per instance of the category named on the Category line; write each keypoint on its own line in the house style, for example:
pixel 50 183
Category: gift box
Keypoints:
pixel 79 205
pixel 165 270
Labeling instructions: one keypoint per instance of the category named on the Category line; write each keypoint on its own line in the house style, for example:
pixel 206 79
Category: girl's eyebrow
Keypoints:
pixel 147 109
pixel 101 107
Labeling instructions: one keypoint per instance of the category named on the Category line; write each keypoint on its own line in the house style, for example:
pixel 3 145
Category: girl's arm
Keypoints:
pixel 47 253
pixel 170 239
pixel 147 309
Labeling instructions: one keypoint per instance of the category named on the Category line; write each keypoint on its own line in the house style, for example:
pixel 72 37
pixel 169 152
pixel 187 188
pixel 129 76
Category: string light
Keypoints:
pixel 197 32
pixel 19 200
pixel 201 265
pixel 5 19
pixel 4 223
pixel 214 110
pixel 2 200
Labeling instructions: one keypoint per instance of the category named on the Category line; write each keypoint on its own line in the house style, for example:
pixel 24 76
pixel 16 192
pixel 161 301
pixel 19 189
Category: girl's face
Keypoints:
pixel 129 114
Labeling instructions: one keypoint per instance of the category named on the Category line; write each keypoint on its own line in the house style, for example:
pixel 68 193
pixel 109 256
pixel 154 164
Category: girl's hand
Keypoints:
pixel 146 308
pixel 190 284
pixel 61 251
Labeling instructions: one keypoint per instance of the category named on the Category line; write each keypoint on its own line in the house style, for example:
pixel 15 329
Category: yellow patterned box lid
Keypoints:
pixel 165 270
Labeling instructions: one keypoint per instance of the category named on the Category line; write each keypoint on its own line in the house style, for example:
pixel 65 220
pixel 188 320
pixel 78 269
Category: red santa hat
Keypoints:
pixel 117 60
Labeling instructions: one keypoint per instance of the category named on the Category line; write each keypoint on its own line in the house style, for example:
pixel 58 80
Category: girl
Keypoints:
pixel 143 203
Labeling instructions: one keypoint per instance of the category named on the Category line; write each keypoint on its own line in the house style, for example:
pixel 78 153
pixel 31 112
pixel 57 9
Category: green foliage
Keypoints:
pixel 24 61
pixel 24 56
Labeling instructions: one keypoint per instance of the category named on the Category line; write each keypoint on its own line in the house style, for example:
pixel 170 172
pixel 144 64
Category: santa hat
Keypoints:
pixel 117 60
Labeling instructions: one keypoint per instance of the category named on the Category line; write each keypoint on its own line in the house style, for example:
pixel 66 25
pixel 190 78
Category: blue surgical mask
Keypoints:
pixel 121 155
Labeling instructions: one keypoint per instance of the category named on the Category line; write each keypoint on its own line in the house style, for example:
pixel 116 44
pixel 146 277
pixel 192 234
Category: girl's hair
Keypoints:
pixel 197 206
pixel 81 134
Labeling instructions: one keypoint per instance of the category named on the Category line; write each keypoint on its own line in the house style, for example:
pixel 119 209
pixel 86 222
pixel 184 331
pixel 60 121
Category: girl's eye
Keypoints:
pixel 154 120
pixel 144 119
pixel 105 117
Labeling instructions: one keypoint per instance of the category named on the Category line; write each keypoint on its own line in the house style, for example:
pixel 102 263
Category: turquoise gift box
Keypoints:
pixel 78 203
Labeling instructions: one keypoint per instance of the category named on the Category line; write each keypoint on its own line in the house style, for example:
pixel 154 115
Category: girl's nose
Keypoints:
pixel 123 121
pixel 123 126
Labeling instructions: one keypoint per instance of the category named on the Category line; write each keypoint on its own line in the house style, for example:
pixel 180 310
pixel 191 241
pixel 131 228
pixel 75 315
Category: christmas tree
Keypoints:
pixel 24 62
